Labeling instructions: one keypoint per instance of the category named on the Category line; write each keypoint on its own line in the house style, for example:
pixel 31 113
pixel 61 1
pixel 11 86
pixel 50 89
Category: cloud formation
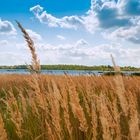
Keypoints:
pixel 6 27
pixel 6 58
pixel 131 34
pixel 52 21
pixel 79 52
pixel 35 36
pixel 89 55
pixel 70 22
pixel 3 43
pixel 82 43
pixel 114 15
pixel 60 37
pixel 107 12
pixel 104 13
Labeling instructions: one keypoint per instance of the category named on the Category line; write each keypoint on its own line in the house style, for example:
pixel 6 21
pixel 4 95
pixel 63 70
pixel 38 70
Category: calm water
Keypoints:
pixel 57 72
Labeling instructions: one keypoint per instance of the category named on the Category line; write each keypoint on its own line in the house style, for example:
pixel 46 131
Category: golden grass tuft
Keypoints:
pixel 3 134
pixel 35 67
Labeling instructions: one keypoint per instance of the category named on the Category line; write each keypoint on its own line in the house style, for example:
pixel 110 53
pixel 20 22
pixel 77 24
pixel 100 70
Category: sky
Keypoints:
pixel 83 32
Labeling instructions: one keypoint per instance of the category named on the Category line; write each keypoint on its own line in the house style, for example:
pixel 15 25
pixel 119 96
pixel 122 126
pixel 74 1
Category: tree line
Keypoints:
pixel 74 67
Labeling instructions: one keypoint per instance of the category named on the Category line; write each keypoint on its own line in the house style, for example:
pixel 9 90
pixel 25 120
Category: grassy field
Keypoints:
pixel 48 107
pixel 42 107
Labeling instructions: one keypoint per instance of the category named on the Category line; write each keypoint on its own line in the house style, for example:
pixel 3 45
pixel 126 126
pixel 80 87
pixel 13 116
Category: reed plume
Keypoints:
pixel 116 68
pixel 35 67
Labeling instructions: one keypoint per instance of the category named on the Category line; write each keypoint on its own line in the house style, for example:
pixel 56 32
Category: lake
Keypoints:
pixel 59 72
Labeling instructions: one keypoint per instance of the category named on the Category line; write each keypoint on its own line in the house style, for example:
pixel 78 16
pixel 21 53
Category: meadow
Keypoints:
pixel 65 107
pixel 41 107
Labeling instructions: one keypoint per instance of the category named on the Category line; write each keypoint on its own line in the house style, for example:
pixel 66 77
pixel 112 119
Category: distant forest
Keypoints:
pixel 73 67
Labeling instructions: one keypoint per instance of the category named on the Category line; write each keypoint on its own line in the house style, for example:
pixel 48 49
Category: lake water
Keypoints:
pixel 57 72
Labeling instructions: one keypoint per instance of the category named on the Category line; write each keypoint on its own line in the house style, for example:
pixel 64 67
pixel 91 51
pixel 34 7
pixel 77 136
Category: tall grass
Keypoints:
pixel 35 67
pixel 43 107
pixel 69 108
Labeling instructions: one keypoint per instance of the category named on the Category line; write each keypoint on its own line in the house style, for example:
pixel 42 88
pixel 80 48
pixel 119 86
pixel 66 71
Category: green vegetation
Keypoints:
pixel 73 67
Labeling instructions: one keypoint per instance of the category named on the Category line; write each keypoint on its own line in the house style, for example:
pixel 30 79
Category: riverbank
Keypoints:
pixel 74 67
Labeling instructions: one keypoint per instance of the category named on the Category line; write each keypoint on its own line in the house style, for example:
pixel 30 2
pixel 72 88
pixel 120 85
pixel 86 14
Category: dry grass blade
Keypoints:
pixel 134 117
pixel 120 88
pixel 116 68
pixel 3 134
pixel 35 61
pixel 75 105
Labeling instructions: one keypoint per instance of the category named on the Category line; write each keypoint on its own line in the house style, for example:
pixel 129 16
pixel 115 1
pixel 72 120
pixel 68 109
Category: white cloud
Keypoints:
pixel 35 36
pixel 52 21
pixel 36 9
pixel 90 22
pixel 3 43
pixel 9 58
pixel 104 14
pixel 60 37
pixel 89 55
pixel 101 16
pixel 64 47
pixel 83 53
pixel 87 21
pixel 6 27
pixel 131 34
pixel 82 43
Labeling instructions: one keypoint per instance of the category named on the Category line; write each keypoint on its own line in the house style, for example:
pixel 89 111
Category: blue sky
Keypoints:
pixel 53 6
pixel 71 31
